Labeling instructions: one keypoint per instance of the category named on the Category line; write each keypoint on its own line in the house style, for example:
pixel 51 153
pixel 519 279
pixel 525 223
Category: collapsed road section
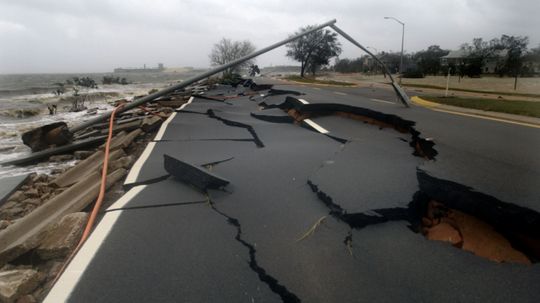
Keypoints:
pixel 341 216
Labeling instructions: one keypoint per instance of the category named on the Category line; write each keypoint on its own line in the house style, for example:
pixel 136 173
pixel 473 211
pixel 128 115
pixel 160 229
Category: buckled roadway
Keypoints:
pixel 314 212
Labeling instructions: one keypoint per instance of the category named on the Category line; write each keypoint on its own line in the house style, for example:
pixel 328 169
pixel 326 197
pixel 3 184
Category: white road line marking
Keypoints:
pixel 340 93
pixel 310 122
pixel 382 101
pixel 163 127
pixel 316 88
pixel 136 168
pixel 186 104
pixel 73 273
pixel 316 126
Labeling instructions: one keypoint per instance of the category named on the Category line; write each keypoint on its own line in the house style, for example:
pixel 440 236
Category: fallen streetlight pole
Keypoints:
pixel 202 76
pixel 399 91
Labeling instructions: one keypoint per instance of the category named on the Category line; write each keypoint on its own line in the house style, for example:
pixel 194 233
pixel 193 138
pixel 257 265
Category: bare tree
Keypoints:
pixel 227 50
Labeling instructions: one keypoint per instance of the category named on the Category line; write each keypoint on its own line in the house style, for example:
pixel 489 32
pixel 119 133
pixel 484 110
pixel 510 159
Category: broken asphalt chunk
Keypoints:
pixel 193 175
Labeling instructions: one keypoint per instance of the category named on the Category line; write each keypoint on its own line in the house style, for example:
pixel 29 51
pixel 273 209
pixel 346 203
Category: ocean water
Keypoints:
pixel 24 99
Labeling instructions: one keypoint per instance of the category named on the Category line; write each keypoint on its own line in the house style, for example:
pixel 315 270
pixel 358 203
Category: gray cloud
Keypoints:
pixel 98 35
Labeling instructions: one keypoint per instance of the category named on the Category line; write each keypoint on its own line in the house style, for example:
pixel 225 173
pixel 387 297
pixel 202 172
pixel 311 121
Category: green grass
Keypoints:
pixel 316 81
pixel 472 90
pixel 524 108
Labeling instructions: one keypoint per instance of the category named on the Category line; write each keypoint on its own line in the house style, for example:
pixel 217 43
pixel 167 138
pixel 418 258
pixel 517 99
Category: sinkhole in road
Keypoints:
pixel 298 111
pixel 475 222
pixel 441 210
pixel 469 233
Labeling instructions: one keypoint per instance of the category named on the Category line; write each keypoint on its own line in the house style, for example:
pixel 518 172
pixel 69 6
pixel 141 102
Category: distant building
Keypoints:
pixel 460 56
pixel 157 69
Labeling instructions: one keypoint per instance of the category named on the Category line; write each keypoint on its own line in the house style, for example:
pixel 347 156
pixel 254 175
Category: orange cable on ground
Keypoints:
pixel 99 200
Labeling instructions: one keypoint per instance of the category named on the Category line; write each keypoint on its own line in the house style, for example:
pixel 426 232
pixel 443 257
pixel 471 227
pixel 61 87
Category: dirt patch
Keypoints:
pixel 469 233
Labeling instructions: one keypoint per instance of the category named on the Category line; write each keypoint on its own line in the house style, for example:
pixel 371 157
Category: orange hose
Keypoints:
pixel 99 200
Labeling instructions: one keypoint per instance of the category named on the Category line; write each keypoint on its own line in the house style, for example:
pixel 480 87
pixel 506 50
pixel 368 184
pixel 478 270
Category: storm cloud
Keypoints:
pixel 98 35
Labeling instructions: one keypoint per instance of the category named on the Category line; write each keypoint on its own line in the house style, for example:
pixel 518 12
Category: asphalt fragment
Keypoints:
pixel 192 174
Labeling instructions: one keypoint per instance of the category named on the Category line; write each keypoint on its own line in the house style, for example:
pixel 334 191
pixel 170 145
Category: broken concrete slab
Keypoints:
pixel 151 123
pixel 9 186
pixel 193 175
pixel 42 137
pixel 125 140
pixel 85 168
pixel 38 156
pixel 60 238
pixel 129 126
pixel 115 141
pixel 82 154
pixel 60 158
pixel 17 282
pixel 27 232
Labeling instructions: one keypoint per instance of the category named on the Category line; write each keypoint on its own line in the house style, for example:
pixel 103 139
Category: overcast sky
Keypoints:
pixel 98 35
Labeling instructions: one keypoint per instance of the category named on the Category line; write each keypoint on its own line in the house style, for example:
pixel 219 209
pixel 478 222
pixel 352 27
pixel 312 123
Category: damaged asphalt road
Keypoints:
pixel 310 216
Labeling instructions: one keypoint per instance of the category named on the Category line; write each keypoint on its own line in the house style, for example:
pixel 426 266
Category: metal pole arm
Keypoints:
pixel 202 76
pixel 399 91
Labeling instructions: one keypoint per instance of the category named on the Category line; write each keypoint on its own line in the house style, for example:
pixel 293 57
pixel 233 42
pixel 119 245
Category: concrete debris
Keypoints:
pixel 123 127
pixel 41 138
pixel 115 141
pixel 4 224
pixel 151 123
pixel 124 162
pixel 82 154
pixel 27 232
pixel 84 168
pixel 27 299
pixel 60 238
pixel 126 140
pixel 17 196
pixel 16 283
pixel 41 214
pixel 60 158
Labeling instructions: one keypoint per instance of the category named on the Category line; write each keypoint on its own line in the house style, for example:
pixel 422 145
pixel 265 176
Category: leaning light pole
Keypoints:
pixel 402 95
pixel 402 41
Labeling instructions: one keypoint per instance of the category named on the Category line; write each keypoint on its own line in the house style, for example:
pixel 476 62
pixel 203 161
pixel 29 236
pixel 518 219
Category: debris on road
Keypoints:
pixel 44 215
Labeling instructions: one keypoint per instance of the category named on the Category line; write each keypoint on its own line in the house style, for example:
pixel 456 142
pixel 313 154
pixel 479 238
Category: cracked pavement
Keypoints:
pixel 309 217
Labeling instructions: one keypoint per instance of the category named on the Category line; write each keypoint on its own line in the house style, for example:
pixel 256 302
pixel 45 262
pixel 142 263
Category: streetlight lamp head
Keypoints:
pixel 386 17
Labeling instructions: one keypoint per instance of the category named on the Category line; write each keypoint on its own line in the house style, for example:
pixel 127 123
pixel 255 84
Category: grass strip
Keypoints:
pixel 516 107
pixel 312 80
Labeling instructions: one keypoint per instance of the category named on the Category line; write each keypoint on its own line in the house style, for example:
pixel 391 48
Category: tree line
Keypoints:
pixel 314 51
pixel 510 54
